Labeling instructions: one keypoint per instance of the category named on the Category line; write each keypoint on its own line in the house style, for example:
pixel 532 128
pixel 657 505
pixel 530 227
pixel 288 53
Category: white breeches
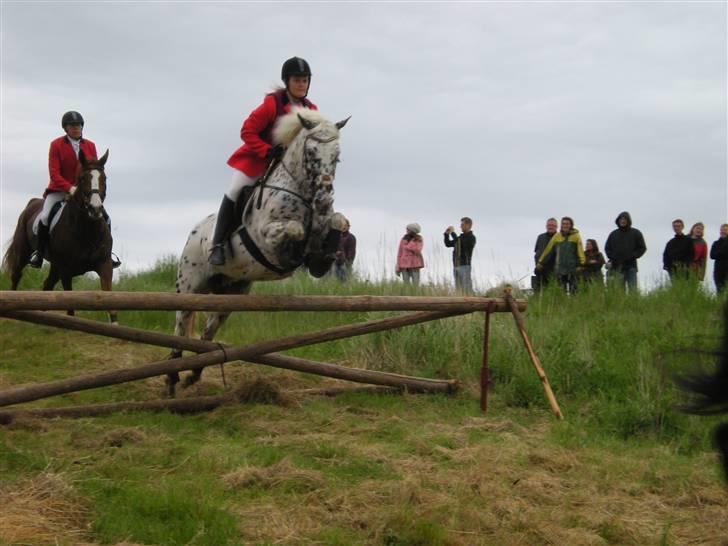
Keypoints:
pixel 239 181
pixel 50 200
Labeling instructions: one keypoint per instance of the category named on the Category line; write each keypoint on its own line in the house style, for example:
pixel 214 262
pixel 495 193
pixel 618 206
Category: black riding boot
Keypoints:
pixel 36 259
pixel 225 218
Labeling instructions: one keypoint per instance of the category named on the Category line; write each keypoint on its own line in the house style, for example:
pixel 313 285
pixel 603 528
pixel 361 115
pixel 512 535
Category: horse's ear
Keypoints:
pixel 340 124
pixel 307 123
pixel 104 157
pixel 82 158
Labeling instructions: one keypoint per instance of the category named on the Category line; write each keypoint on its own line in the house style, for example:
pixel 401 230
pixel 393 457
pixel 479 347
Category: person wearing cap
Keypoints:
pixel 62 166
pixel 409 255
pixel 251 160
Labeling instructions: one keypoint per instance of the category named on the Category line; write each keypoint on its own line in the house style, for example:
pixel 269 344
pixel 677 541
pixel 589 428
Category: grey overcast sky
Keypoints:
pixel 508 112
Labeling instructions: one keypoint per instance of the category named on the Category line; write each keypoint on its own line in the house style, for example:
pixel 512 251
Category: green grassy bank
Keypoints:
pixel 625 467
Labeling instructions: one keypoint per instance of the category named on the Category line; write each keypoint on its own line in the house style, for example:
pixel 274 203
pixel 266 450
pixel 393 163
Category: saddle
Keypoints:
pixel 53 217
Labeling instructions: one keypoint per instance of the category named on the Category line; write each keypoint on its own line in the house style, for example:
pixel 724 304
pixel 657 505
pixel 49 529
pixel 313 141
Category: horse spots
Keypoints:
pixel 194 231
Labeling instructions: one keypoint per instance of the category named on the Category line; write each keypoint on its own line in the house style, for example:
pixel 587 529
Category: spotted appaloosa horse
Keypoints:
pixel 79 242
pixel 288 221
pixel 710 393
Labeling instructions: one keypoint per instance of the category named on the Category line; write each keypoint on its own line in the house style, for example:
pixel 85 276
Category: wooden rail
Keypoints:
pixel 163 301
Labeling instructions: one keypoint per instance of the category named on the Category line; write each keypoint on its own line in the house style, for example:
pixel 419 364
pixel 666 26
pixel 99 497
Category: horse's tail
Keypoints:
pixel 13 258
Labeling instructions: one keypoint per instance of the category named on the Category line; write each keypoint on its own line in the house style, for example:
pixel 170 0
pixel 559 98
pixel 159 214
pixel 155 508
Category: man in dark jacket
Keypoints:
pixel 625 245
pixel 719 253
pixel 678 252
pixel 543 275
pixel 462 254
pixel 344 262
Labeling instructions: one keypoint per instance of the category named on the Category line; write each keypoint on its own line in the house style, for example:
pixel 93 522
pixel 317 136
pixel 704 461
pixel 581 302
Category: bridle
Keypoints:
pixel 261 184
pixel 262 181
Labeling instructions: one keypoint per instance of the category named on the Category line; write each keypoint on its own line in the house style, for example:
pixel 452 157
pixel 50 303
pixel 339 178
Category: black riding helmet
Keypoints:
pixel 295 66
pixel 70 118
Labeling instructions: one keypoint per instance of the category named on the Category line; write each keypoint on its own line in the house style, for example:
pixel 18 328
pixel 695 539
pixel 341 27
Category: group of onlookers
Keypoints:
pixel 559 255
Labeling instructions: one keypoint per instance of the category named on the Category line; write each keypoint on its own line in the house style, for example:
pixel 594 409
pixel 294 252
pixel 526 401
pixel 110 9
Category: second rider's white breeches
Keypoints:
pixel 50 200
pixel 239 181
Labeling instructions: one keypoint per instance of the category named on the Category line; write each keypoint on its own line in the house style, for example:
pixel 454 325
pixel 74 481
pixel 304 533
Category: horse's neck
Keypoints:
pixel 293 162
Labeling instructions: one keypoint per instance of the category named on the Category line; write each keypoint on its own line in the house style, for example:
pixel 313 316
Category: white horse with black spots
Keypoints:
pixel 287 222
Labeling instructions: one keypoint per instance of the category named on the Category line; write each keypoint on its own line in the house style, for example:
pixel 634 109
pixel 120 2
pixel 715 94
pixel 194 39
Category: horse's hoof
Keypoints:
pixel 115 323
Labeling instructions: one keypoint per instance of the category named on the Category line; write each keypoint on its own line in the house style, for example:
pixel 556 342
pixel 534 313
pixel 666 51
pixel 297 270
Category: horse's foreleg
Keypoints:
pixel 67 283
pixel 51 279
pixel 213 324
pixel 106 274
pixel 182 327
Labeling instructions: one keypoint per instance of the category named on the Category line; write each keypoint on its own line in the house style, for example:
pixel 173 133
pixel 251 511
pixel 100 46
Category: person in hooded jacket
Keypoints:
pixel 719 253
pixel 409 255
pixel 625 245
pixel 251 160
pixel 569 255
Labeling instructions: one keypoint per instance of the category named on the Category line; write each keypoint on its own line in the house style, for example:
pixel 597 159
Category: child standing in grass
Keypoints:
pixel 409 255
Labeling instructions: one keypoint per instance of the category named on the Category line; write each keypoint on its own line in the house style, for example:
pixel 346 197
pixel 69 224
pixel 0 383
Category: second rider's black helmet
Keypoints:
pixel 295 66
pixel 70 118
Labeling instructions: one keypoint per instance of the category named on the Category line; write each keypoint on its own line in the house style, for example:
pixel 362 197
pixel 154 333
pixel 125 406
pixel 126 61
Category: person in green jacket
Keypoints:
pixel 569 255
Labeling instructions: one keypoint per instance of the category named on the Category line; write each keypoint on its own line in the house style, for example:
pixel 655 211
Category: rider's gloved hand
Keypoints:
pixel 71 192
pixel 275 152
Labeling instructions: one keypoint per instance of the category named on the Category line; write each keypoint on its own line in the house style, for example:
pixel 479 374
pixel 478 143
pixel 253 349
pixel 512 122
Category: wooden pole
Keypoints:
pixel 163 301
pixel 413 384
pixel 196 404
pixel 534 358
pixel 484 369
pixel 90 381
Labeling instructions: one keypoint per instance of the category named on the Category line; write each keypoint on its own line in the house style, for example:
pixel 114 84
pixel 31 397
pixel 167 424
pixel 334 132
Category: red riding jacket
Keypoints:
pixel 63 163
pixel 256 133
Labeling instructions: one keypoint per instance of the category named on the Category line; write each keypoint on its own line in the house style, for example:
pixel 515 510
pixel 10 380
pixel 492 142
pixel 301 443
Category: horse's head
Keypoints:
pixel 313 147
pixel 91 184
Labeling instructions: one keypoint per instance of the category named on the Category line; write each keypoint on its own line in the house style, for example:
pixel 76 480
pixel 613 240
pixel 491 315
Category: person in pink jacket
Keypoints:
pixel 409 255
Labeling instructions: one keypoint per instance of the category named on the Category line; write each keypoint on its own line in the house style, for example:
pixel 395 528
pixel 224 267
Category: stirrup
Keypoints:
pixel 217 254
pixel 36 260
pixel 115 261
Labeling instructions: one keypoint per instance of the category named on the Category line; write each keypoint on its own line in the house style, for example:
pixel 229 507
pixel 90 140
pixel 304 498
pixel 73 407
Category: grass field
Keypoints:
pixel 624 467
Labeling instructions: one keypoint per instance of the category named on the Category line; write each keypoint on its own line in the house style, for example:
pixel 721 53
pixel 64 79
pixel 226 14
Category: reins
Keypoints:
pixel 261 185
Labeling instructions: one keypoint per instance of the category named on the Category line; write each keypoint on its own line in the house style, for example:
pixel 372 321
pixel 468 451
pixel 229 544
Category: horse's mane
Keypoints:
pixel 289 126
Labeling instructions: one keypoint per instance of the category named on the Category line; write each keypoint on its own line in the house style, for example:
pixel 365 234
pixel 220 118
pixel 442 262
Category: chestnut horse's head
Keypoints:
pixel 91 184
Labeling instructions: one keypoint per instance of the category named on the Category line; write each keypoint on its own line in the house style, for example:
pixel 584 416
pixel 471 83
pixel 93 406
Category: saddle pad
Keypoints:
pixel 54 216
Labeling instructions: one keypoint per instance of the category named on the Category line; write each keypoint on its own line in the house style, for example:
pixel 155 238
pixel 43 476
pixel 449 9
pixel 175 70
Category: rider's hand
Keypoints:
pixel 275 152
pixel 70 193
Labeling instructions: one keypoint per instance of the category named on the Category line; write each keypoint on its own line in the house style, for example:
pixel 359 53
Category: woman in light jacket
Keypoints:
pixel 409 255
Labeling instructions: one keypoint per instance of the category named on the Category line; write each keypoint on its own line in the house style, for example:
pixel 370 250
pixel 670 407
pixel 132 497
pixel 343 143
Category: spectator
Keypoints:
pixel 542 276
pixel 462 254
pixel 700 251
pixel 719 253
pixel 678 252
pixel 569 255
pixel 409 255
pixel 625 245
pixel 593 262
pixel 344 261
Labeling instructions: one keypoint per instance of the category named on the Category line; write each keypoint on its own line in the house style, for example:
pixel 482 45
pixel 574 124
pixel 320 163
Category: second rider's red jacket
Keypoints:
pixel 256 133
pixel 63 163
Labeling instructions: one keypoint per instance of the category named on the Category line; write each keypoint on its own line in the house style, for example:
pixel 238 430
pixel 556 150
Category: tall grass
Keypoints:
pixel 609 356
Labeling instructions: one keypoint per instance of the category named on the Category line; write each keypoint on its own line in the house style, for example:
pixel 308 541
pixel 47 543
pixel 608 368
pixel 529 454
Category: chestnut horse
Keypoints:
pixel 79 242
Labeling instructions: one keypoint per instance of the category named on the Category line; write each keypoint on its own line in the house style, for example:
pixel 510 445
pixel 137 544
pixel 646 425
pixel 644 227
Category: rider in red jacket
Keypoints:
pixel 62 166
pixel 250 161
